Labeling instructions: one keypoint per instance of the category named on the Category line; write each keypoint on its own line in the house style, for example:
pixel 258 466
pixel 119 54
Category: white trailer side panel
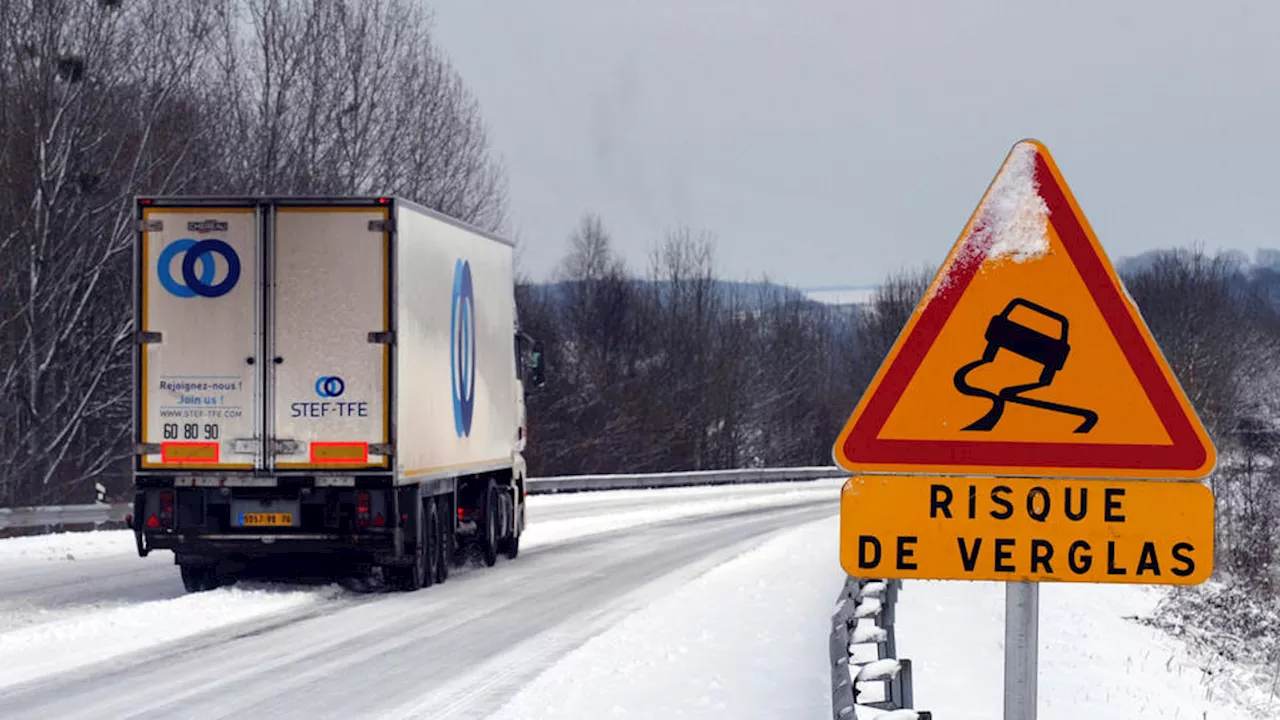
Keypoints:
pixel 330 383
pixel 198 386
pixel 458 392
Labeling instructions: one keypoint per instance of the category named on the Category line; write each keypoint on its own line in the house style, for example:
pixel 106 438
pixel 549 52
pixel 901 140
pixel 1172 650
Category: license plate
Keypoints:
pixel 258 519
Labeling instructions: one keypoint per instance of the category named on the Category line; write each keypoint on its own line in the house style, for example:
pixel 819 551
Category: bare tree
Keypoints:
pixel 90 115
pixel 101 101
pixel 1219 334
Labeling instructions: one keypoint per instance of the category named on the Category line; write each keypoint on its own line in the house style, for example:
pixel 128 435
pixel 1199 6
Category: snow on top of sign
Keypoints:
pixel 1013 221
pixel 1014 217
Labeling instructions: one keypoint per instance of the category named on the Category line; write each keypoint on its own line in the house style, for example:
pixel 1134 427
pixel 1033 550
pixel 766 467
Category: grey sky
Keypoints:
pixel 829 142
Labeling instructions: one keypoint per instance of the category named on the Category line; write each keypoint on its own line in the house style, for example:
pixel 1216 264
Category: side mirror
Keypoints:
pixel 537 366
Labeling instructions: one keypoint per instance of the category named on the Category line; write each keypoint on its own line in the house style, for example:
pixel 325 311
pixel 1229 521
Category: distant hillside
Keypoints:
pixel 744 295
pixel 1262 271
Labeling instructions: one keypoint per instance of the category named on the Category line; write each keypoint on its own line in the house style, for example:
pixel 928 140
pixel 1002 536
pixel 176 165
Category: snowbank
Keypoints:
pixel 88 637
pixel 1093 661
pixel 746 640
pixel 66 547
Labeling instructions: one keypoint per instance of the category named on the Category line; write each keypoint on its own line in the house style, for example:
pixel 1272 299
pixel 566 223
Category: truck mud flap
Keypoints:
pixel 139 506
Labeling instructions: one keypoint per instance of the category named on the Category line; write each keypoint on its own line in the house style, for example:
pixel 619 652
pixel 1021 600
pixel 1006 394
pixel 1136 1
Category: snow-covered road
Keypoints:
pixel 108 634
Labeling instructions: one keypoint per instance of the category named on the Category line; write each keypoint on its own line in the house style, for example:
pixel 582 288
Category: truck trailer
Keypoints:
pixel 327 383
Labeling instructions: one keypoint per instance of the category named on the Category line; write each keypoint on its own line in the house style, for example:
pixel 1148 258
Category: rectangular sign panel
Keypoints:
pixel 1023 530
pixel 331 386
pixel 199 388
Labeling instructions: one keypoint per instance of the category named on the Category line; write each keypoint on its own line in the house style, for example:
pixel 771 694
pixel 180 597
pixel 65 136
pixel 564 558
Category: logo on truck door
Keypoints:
pixel 202 282
pixel 462 348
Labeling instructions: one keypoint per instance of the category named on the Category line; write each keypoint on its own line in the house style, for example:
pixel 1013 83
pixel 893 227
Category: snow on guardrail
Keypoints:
pixel 98 513
pixel 864 653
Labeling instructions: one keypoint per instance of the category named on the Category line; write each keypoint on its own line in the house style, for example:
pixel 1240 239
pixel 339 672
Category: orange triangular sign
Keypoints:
pixel 1026 357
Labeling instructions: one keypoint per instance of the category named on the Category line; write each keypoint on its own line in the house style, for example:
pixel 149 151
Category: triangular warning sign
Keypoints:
pixel 1026 357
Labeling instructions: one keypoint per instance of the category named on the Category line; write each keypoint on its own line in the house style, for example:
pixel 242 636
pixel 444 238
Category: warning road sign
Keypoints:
pixel 944 528
pixel 1026 357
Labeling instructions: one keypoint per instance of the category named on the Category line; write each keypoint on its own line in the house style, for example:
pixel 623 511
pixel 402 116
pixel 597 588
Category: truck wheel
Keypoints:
pixel 489 542
pixel 198 578
pixel 444 542
pixel 414 577
pixel 510 545
pixel 431 539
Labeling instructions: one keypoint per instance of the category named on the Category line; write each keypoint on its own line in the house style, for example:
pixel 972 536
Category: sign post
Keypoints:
pixel 1025 426
pixel 1021 641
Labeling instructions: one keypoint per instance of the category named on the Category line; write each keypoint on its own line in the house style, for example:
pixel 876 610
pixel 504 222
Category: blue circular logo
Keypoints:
pixel 330 387
pixel 198 252
pixel 462 348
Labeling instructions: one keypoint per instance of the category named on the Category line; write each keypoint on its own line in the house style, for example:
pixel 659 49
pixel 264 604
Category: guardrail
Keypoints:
pixel 99 513
pixel 868 680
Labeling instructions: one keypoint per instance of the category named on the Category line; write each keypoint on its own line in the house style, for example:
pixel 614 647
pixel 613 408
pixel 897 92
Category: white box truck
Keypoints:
pixel 335 383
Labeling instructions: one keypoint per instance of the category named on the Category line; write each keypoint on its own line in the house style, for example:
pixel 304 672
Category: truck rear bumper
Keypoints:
pixel 207 525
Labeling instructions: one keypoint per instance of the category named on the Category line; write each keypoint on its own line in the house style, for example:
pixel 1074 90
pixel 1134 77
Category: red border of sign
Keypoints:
pixel 1186 454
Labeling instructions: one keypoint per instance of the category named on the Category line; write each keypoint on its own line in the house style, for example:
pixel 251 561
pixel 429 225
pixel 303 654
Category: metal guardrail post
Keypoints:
pixel 871 601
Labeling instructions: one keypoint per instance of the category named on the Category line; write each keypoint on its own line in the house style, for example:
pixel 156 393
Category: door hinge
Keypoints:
pixel 386 337
pixel 147 449
pixel 285 447
pixel 380 448
pixel 150 225
pixel 382 225
pixel 246 446
pixel 148 337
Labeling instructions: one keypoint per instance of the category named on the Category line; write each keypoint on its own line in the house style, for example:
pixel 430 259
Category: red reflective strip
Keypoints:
pixel 339 452
pixel 189 452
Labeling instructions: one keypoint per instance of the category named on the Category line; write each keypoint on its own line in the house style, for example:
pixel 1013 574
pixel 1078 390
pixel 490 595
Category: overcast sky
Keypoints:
pixel 829 142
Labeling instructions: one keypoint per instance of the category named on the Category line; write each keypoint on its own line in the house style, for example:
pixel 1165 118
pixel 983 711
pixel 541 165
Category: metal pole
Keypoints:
pixel 1021 642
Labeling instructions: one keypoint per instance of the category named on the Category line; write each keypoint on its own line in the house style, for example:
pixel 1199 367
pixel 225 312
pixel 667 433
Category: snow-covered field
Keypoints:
pixel 1094 661
pixel 741 632
pixel 41 638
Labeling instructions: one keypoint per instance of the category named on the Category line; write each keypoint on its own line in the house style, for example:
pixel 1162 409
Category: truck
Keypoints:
pixel 335 385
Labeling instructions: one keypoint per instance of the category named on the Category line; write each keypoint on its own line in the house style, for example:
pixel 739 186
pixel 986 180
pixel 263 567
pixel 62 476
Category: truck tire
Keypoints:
pixel 491 532
pixel 510 546
pixel 444 542
pixel 431 540
pixel 199 578
pixel 414 576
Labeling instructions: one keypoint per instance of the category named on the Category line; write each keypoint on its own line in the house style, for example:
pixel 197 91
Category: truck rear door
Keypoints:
pixel 331 321
pixel 198 316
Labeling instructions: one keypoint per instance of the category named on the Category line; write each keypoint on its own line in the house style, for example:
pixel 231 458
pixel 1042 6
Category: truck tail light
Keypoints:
pixel 362 509
pixel 166 508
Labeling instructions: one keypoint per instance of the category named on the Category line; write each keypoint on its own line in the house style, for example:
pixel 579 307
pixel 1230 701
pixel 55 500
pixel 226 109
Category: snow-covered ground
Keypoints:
pixel 746 640
pixel 83 638
pixel 65 547
pixel 40 636
pixel 738 628
pixel 1094 661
